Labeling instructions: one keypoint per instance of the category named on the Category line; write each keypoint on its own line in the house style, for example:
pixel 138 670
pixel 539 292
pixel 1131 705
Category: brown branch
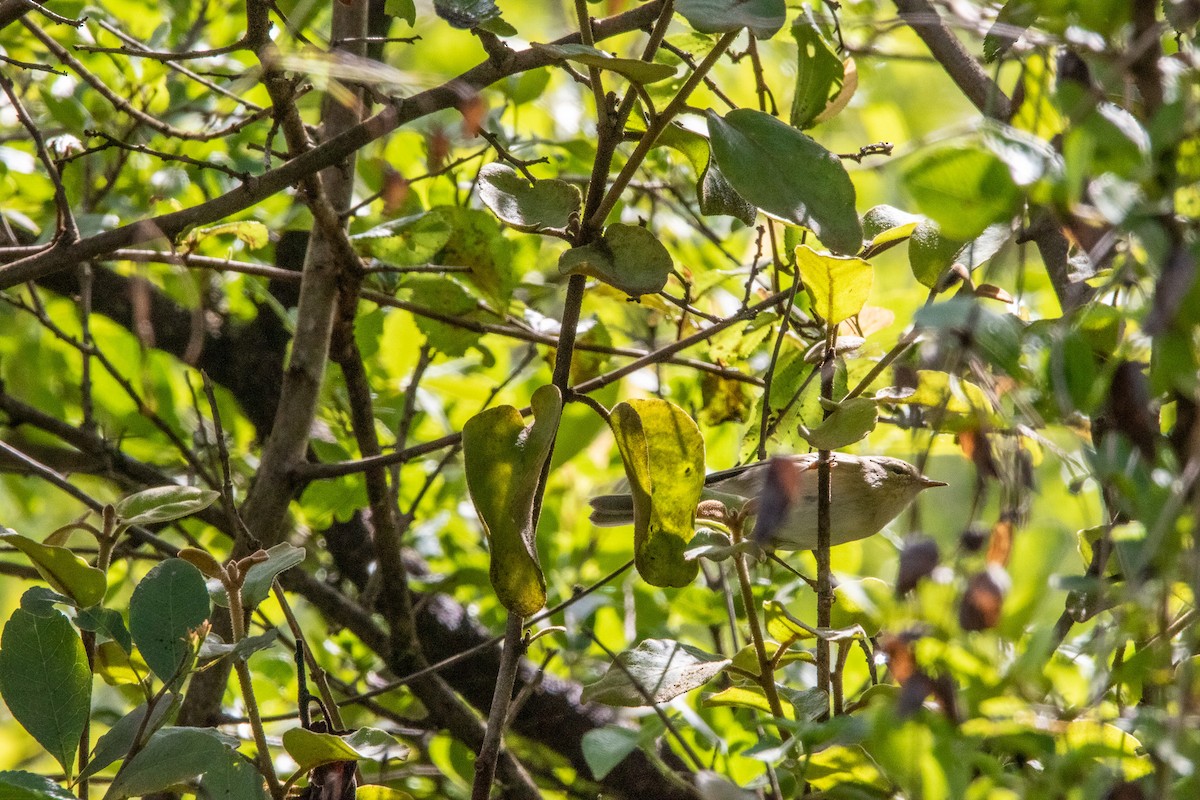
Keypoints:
pixel 988 98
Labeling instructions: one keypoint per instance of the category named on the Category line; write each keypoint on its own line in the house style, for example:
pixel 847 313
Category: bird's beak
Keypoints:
pixel 929 483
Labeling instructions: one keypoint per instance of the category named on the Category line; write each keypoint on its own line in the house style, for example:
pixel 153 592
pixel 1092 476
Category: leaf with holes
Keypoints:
pixel 663 454
pixel 169 603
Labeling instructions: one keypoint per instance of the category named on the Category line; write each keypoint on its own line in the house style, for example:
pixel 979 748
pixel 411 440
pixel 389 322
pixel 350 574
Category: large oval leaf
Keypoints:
pixel 169 602
pixel 62 569
pixel 788 175
pixel 504 459
pixel 658 669
pixel 163 504
pixel 663 454
pixel 839 286
pixel 964 189
pixel 628 257
pixel 173 756
pixel 764 18
pixel 525 206
pixel 45 680
pixel 117 740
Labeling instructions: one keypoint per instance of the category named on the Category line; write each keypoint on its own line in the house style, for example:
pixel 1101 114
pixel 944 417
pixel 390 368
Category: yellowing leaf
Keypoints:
pixel 839 285
pixel 744 697
pixel 504 458
pixel 663 454
pixel 62 569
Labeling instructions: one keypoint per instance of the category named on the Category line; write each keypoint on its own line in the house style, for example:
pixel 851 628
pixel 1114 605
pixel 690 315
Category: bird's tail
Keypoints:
pixel 611 510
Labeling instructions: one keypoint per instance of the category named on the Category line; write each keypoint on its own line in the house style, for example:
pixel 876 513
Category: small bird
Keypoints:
pixel 867 493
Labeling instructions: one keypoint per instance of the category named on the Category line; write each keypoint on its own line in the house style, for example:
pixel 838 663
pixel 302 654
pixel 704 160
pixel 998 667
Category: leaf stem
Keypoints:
pixel 766 667
pixel 506 678
pixel 237 621
pixel 596 220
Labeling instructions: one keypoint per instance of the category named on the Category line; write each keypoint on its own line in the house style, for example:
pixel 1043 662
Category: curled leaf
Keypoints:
pixel 628 257
pixel 504 459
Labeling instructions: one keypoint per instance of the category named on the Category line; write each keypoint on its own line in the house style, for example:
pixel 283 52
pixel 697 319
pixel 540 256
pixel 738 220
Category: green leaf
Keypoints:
pixel 106 622
pixel 661 668
pixel 634 69
pixel 233 778
pixel 163 504
pixel 16 785
pixel 1014 17
pixel 527 86
pixel 962 188
pixel 310 749
pixel 717 196
pixel 764 18
pixel 859 602
pixel 605 748
pixel 740 697
pixel 257 585
pixel 524 206
pixel 45 680
pixel 62 569
pixel 839 286
pixel 402 9
pixel 713 190
pixel 166 605
pixel 118 739
pixel 405 242
pixel 466 14
pixel 850 421
pixel 504 460
pixel 172 756
pixel 930 253
pixel 819 70
pixel 885 227
pixel 663 454
pixel 40 600
pixel 443 294
pixel 994 335
pixel 814 191
pixel 1028 158
pixel 629 257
